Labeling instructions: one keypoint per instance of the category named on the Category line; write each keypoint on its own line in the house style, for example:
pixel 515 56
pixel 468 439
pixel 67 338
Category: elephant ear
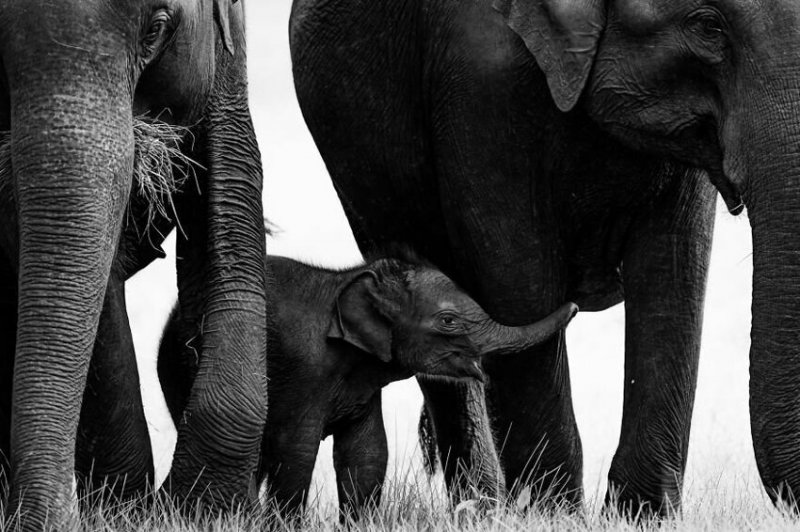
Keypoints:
pixel 357 320
pixel 563 37
pixel 222 14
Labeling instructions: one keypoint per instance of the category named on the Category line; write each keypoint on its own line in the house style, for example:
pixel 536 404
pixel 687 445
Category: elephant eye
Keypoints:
pixel 448 322
pixel 712 26
pixel 707 22
pixel 154 36
pixel 707 29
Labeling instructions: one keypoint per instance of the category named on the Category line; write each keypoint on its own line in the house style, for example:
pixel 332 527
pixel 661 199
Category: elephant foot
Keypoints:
pixel 548 492
pixel 478 480
pixel 661 500
pixel 204 497
pixel 784 498
pixel 114 463
pixel 102 488
pixel 198 490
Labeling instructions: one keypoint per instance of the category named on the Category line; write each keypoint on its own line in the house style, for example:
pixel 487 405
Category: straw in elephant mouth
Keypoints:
pixel 160 168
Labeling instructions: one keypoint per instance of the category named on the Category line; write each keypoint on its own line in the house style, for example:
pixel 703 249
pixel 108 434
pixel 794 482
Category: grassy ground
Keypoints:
pixel 414 502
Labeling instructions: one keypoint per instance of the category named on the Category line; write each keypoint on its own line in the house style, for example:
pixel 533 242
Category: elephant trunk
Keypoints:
pixel 499 339
pixel 219 437
pixel 72 155
pixel 773 201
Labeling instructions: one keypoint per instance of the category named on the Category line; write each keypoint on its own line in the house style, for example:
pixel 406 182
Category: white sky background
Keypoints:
pixel 300 201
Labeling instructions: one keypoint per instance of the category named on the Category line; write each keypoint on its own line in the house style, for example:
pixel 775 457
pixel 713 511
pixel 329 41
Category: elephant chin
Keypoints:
pixel 159 168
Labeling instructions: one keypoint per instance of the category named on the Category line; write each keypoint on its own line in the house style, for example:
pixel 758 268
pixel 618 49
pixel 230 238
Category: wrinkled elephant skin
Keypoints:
pixel 74 76
pixel 538 151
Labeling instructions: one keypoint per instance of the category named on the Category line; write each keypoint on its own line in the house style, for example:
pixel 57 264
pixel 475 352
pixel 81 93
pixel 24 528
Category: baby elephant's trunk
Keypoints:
pixel 500 339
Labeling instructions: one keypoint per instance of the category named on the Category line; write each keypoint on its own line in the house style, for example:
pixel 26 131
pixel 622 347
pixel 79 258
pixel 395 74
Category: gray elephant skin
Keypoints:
pixel 75 74
pixel 551 150
pixel 336 338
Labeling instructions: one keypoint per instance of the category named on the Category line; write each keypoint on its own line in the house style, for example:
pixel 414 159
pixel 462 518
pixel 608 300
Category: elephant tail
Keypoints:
pixel 427 442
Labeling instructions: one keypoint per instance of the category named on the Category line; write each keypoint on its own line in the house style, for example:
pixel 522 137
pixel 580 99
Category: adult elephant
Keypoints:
pixel 548 150
pixel 74 75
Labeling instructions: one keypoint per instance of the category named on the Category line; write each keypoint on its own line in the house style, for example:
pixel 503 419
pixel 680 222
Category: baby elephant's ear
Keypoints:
pixel 357 321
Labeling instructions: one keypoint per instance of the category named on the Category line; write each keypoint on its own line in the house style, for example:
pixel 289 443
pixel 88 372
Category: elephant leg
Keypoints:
pixel 178 360
pixel 490 149
pixel 289 459
pixel 8 333
pixel 113 455
pixel 360 454
pixel 538 439
pixel 464 437
pixel 665 265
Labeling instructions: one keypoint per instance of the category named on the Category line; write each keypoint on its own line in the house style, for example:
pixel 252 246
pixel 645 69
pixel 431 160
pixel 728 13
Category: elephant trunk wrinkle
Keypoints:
pixel 773 200
pixel 498 339
pixel 72 168
pixel 160 169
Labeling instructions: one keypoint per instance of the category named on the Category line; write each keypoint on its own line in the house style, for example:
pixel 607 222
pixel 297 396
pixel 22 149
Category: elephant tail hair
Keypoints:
pixel 427 442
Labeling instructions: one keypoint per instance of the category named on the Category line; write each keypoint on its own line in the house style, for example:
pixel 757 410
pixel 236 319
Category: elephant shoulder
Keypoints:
pixel 475 34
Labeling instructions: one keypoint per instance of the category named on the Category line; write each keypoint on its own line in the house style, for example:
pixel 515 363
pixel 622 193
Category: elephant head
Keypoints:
pixel 713 84
pixel 74 75
pixel 416 317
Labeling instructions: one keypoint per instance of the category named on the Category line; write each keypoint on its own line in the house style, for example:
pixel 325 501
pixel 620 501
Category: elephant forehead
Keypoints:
pixel 642 14
pixel 434 286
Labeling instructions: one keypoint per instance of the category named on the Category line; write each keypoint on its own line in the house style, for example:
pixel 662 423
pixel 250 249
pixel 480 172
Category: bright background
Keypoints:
pixel 300 201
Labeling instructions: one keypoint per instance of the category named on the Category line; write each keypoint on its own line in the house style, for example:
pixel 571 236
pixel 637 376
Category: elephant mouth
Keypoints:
pixel 454 368
pixel 160 169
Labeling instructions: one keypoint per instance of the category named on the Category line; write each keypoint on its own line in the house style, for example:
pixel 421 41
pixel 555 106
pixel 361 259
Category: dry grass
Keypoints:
pixel 415 502
pixel 160 167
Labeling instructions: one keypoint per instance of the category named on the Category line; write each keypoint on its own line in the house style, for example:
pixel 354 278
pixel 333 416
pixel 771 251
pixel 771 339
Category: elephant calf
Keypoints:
pixel 335 339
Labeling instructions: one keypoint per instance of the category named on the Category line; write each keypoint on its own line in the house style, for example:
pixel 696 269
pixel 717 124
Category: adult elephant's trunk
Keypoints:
pixel 220 432
pixel 72 157
pixel 773 200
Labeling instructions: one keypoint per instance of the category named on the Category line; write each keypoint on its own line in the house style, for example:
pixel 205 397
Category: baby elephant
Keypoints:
pixel 335 339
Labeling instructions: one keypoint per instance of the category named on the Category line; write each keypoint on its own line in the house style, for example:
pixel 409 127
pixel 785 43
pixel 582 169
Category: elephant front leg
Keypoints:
pixel 360 454
pixel 665 265
pixel 113 454
pixel 289 455
pixel 540 447
pixel 464 437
